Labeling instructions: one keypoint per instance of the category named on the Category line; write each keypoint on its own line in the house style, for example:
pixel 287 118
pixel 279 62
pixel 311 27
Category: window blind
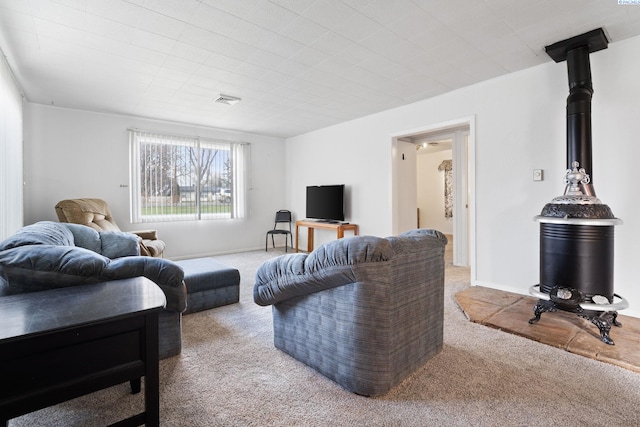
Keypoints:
pixel 176 177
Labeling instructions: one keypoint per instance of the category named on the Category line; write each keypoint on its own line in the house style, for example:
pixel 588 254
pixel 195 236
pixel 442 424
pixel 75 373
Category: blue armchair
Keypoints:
pixel 363 311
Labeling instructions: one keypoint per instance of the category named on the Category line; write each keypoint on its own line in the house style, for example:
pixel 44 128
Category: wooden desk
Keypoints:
pixel 63 343
pixel 312 225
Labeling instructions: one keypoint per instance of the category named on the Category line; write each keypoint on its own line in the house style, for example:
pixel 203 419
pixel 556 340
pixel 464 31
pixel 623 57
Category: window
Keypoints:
pixel 177 178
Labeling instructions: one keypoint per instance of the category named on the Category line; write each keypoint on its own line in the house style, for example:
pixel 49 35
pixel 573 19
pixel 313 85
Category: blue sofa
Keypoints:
pixel 364 311
pixel 49 255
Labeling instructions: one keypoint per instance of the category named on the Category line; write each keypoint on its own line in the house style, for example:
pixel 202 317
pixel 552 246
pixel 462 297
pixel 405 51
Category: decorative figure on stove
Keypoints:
pixel 574 177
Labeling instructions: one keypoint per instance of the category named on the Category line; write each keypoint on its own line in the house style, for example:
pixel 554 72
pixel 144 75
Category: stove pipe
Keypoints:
pixel 576 52
pixel 579 113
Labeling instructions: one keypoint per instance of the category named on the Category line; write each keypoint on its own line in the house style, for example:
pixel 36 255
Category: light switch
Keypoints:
pixel 537 174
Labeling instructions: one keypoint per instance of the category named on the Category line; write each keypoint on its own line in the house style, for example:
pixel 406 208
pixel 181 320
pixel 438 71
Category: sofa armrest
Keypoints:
pixel 166 274
pixel 285 277
pixel 153 248
pixel 146 234
pixel 329 266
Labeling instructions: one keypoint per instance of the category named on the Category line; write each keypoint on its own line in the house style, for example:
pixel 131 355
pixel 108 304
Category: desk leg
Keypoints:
pixel 340 232
pixel 297 235
pixel 136 386
pixel 151 378
pixel 310 231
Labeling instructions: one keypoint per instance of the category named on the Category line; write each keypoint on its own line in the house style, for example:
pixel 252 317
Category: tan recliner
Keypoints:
pixel 95 213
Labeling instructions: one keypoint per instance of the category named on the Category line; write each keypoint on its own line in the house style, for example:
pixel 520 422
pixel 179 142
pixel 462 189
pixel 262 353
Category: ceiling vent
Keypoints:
pixel 227 99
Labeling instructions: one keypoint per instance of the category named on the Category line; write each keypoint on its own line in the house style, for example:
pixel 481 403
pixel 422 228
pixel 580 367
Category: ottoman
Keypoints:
pixel 209 284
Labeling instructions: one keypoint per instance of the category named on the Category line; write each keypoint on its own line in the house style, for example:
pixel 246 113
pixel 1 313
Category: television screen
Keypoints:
pixel 325 202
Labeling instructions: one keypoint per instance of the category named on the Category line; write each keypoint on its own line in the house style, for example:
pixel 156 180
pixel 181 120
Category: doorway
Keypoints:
pixel 458 137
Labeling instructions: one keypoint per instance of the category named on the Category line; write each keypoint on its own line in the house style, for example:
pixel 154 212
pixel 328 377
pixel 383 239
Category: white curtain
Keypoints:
pixel 11 174
pixel 241 158
pixel 447 167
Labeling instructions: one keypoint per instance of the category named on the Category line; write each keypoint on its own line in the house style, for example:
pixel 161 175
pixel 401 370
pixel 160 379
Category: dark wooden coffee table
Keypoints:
pixel 63 343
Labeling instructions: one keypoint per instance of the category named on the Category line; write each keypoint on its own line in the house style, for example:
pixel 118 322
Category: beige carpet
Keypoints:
pixel 229 374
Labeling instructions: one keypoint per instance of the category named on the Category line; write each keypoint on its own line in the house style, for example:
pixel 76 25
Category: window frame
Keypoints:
pixel 238 161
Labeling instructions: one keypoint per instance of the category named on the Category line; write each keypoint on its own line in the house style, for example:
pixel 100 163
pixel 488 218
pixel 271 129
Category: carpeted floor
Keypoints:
pixel 229 374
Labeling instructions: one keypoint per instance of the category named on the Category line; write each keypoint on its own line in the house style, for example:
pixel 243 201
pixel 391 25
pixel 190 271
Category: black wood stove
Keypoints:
pixel 577 229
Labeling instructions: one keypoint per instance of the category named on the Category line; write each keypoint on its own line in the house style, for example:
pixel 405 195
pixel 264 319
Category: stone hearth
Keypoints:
pixel 510 312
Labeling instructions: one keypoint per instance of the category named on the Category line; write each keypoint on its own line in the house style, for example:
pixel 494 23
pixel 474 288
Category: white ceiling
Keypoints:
pixel 298 65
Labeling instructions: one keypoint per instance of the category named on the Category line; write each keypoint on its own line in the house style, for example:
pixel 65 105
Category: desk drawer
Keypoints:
pixel 42 361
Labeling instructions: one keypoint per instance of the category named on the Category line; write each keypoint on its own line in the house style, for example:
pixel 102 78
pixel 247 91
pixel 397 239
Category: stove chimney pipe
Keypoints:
pixel 576 52
pixel 579 113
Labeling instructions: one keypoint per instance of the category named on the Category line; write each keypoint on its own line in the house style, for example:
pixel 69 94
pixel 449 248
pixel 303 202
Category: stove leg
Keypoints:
pixel 614 318
pixel 541 307
pixel 604 322
pixel 604 327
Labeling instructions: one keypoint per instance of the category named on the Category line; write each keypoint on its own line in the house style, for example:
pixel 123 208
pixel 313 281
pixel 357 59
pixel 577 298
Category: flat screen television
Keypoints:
pixel 325 202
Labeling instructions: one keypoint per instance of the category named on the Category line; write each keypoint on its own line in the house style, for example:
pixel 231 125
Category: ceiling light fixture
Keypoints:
pixel 227 99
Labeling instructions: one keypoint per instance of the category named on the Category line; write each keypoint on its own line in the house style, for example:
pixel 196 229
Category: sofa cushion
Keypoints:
pixel 112 244
pixel 40 233
pixel 39 267
pixel 116 244
pixel 84 237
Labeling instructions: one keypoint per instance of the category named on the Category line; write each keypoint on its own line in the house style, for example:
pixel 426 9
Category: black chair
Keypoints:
pixel 282 216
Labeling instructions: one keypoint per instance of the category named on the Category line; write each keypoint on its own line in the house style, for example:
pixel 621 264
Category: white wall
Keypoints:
pixel 10 152
pixel 431 191
pixel 343 154
pixel 405 204
pixel 520 126
pixel 71 154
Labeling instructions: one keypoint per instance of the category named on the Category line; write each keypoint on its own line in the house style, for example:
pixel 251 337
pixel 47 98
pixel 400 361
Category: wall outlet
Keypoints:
pixel 537 174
